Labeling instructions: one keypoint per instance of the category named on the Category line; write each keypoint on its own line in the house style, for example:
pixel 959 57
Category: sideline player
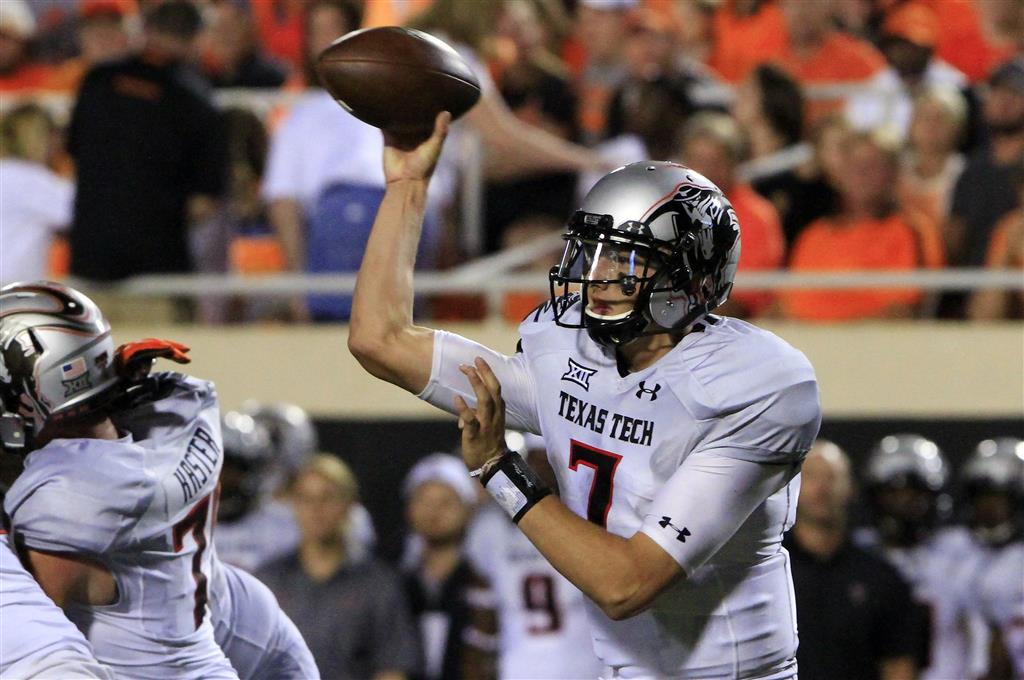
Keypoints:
pixel 115 527
pixel 677 434
pixel 542 619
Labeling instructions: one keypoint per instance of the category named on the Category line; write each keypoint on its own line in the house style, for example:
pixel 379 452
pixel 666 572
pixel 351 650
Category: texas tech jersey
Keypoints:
pixel 36 639
pixel 699 451
pixel 542 619
pixel 143 506
pixel 1001 601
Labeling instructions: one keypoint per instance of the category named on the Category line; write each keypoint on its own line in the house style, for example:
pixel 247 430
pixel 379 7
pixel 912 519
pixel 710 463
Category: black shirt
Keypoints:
pixel 145 137
pixel 799 201
pixel 853 611
pixel 983 194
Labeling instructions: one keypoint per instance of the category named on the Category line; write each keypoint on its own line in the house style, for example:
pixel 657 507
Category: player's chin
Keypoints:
pixel 604 311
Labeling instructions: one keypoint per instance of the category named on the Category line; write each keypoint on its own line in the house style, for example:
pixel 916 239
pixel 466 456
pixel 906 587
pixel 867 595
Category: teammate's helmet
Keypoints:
pixel 992 483
pixel 292 435
pixel 906 478
pixel 247 452
pixel 674 237
pixel 56 357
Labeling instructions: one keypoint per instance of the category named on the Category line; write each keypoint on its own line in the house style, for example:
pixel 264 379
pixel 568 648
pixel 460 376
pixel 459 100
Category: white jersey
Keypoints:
pixel 942 572
pixel 36 639
pixel 259 537
pixel 1001 600
pixel 259 639
pixel 542 620
pixel 143 506
pixel 700 451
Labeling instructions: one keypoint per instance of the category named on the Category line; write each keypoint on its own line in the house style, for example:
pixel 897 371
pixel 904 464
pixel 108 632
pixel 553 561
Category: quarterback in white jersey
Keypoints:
pixel 115 506
pixel 36 639
pixel 542 620
pixel 675 436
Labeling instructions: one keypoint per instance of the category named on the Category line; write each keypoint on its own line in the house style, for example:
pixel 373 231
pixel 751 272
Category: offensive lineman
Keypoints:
pixel 115 527
pixel 677 434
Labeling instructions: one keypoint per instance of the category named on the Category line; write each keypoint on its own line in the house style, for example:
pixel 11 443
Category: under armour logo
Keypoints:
pixel 643 390
pixel 681 534
pixel 579 374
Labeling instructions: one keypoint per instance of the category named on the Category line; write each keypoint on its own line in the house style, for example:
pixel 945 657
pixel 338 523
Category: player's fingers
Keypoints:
pixel 441 123
pixel 467 416
pixel 490 380
pixel 484 401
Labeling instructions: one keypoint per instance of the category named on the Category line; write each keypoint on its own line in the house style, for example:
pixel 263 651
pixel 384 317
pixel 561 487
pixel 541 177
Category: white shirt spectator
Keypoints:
pixel 887 101
pixel 34 204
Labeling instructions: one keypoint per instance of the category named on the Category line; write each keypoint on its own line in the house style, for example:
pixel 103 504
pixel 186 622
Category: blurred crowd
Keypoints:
pixel 902 568
pixel 848 135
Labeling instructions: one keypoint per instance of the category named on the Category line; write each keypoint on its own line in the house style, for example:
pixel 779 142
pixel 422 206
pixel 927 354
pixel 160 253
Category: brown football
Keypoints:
pixel 397 79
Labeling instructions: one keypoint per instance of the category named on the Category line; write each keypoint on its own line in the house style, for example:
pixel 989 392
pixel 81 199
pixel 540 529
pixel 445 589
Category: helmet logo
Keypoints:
pixel 74 376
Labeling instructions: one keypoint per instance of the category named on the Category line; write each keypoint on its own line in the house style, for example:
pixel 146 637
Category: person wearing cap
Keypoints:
pixel 103 36
pixel 451 600
pixel 852 607
pixel 17 28
pixel 985 191
pixel 349 607
pixel 908 38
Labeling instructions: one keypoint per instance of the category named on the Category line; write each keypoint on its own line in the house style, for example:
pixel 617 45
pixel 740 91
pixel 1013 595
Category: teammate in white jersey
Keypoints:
pixel 542 620
pixel 36 639
pixel 907 477
pixel 114 508
pixel 677 434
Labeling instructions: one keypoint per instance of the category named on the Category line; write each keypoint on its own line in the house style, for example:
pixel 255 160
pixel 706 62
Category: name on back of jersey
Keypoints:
pixel 596 419
pixel 201 460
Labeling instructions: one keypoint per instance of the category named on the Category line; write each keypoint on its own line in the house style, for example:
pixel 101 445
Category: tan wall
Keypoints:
pixel 871 370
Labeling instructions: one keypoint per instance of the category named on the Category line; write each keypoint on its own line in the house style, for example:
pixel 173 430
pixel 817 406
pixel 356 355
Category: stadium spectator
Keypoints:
pixel 149 151
pixel 102 36
pixel 984 192
pixel 868 233
pixel 712 144
pixel 807 191
pixel 232 56
pixel 932 164
pixel 453 604
pixel 976 36
pixel 799 36
pixel 534 84
pixel 36 202
pixel 695 36
pixel 1005 251
pixel 350 608
pixel 17 69
pixel 597 65
pixel 852 608
pixel 653 100
pixel 908 38
pixel 281 28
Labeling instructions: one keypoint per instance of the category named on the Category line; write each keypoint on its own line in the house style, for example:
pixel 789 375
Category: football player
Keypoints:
pixel 906 480
pixel 675 435
pixel 114 524
pixel 993 479
pixel 542 621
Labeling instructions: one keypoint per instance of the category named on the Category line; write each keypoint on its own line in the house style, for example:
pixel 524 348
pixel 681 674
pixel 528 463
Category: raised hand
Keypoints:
pixel 414 159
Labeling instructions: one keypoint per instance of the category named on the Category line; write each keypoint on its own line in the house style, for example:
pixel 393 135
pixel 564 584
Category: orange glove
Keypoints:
pixel 134 360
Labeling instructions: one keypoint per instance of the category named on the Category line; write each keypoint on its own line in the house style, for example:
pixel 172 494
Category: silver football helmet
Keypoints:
pixel 660 232
pixel 293 438
pixel 247 454
pixel 56 358
pixel 907 460
pixel 996 465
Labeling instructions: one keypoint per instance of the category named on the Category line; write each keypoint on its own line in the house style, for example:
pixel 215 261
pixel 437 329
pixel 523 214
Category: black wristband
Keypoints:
pixel 514 485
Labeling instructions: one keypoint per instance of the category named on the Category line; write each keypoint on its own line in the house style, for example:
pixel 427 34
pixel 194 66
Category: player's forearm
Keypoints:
pixel 382 304
pixel 605 567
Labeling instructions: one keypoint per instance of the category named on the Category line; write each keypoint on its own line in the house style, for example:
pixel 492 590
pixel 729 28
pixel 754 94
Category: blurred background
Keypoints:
pixel 180 163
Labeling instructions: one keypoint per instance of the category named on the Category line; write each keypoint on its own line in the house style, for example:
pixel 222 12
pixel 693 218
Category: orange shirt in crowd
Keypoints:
pixel 962 41
pixel 743 42
pixel 831 244
pixel 279 24
pixel 28 77
pixel 762 244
